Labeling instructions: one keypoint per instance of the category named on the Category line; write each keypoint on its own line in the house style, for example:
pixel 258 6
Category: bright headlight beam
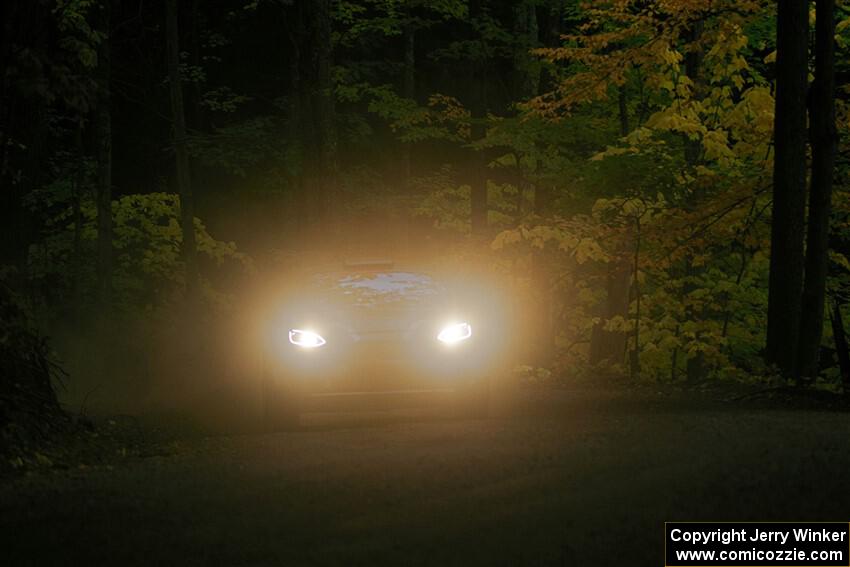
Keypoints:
pixel 306 339
pixel 455 333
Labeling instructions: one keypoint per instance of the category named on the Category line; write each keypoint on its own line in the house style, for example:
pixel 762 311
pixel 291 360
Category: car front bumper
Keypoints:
pixel 379 366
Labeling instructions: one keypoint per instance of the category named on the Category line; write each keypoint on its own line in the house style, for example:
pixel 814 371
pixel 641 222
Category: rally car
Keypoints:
pixel 371 335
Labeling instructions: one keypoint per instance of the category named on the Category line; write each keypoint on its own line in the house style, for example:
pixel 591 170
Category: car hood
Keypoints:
pixel 375 301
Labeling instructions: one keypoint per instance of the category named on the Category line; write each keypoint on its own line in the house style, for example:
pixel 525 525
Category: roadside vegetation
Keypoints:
pixel 663 186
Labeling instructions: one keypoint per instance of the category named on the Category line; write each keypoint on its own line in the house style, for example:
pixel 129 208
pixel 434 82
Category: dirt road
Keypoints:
pixel 584 479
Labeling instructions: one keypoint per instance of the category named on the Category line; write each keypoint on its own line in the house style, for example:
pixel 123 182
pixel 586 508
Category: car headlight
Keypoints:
pixel 306 339
pixel 455 333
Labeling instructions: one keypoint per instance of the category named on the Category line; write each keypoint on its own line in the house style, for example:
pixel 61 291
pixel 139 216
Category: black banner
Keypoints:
pixel 757 544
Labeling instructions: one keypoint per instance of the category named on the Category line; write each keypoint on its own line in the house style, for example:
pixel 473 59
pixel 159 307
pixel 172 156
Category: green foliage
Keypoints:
pixel 79 37
pixel 678 202
pixel 441 118
pixel 29 409
pixel 678 199
pixel 649 158
pixel 223 99
pixel 148 266
pixel 444 201
pixel 239 147
pixel 364 20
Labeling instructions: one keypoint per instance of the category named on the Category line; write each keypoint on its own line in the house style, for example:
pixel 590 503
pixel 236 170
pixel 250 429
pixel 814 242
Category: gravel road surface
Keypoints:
pixel 577 478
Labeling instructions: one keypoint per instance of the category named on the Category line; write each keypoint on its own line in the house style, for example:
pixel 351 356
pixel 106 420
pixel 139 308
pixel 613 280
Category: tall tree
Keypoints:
pixel 837 323
pixel 695 366
pixel 103 136
pixel 526 75
pixel 25 88
pixel 296 103
pixel 478 179
pixel 408 88
pixel 607 345
pixel 789 186
pixel 549 32
pixel 550 36
pixel 324 110
pixel 823 137
pixel 312 114
pixel 184 182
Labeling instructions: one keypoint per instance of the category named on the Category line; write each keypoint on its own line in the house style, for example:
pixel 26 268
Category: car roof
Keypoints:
pixel 369 264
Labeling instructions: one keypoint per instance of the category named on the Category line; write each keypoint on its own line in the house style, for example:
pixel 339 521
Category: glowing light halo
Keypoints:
pixel 306 339
pixel 455 333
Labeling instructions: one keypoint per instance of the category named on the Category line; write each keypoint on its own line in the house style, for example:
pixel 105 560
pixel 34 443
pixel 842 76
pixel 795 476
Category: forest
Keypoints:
pixel 660 189
pixel 663 185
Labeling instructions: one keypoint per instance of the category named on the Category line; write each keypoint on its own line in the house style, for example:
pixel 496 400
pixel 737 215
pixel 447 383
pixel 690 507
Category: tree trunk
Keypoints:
pixel 623 110
pixel 479 202
pixel 25 33
pixel 78 183
pixel 478 197
pixel 824 139
pixel 841 346
pixel 548 30
pixel 674 358
pixel 314 116
pixel 610 346
pixel 103 144
pixel 408 89
pixel 696 368
pixel 693 63
pixel 543 328
pixel 478 178
pixel 324 118
pixel 77 254
pixel 184 183
pixel 198 122
pixel 526 75
pixel 296 117
pixel 789 186
pixel 550 36
pixel 634 356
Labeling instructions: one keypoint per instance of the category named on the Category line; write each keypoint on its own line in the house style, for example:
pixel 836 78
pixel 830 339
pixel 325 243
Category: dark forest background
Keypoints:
pixel 624 168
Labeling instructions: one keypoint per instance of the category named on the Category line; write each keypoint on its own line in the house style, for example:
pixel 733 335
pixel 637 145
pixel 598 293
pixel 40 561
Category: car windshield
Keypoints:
pixel 378 288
